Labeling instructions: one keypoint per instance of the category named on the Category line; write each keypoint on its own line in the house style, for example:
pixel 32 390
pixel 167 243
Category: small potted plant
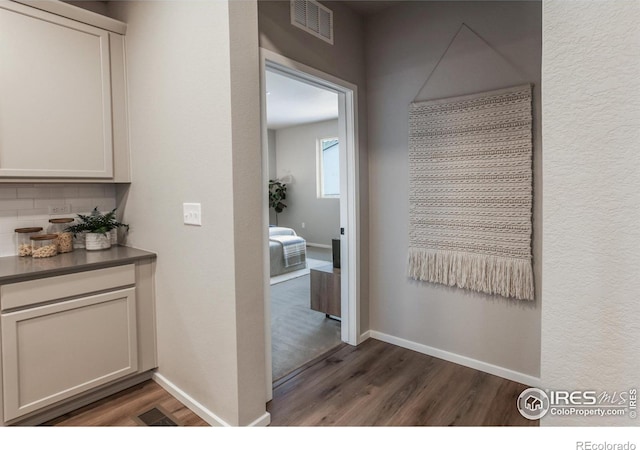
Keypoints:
pixel 277 193
pixel 97 228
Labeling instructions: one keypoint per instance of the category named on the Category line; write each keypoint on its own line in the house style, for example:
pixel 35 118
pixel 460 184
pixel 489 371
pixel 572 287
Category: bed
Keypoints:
pixel 287 251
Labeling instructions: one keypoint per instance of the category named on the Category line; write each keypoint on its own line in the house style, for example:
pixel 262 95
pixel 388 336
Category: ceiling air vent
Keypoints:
pixel 313 18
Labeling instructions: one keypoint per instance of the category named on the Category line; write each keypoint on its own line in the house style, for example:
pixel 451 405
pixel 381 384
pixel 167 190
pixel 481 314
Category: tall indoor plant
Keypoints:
pixel 97 228
pixel 277 193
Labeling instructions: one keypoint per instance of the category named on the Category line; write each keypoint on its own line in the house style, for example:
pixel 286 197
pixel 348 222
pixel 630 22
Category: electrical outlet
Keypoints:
pixel 303 224
pixel 192 214
pixel 59 209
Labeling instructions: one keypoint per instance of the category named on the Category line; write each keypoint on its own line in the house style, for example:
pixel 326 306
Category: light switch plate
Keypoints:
pixel 192 213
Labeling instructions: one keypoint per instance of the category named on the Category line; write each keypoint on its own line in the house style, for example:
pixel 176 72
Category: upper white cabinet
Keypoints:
pixel 62 98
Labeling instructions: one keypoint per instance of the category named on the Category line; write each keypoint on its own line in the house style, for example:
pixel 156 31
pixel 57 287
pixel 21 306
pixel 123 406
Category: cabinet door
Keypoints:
pixel 55 96
pixel 52 352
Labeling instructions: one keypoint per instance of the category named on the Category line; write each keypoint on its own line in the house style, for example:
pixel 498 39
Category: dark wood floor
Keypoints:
pixel 374 384
pixel 379 384
pixel 123 408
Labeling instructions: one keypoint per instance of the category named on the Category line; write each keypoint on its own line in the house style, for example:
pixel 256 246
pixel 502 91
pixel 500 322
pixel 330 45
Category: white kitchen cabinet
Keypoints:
pixel 53 352
pixel 63 99
pixel 63 338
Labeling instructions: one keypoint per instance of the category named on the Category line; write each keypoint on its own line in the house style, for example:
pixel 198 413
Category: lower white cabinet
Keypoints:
pixel 66 335
pixel 55 351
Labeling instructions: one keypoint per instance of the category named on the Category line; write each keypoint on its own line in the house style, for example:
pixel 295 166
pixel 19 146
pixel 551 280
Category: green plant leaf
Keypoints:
pixel 277 193
pixel 96 222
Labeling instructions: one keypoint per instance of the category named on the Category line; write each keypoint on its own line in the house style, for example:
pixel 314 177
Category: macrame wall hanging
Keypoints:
pixel 470 191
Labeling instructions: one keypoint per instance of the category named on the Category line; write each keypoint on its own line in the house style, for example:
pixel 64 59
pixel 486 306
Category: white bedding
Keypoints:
pixel 287 251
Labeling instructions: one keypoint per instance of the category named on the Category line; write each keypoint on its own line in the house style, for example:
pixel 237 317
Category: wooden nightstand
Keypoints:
pixel 325 290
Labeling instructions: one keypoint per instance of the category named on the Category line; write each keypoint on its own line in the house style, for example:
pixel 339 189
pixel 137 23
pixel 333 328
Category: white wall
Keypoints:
pixel 248 200
pixel 27 205
pixel 404 44
pixel 591 114
pixel 296 149
pixel 195 137
pixel 273 166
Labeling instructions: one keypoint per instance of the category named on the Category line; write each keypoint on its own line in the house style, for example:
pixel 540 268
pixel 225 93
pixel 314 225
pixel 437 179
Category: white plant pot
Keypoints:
pixel 97 241
pixel 113 235
pixel 79 240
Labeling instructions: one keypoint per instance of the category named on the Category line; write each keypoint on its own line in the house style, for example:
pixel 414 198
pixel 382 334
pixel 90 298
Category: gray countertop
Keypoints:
pixel 17 268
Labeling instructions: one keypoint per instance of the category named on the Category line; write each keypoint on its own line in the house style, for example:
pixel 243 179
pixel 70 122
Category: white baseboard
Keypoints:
pixel 206 414
pixel 190 402
pixel 261 421
pixel 364 336
pixel 458 359
pixel 309 244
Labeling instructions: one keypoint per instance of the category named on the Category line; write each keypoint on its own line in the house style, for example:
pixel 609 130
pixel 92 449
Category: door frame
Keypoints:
pixel 349 200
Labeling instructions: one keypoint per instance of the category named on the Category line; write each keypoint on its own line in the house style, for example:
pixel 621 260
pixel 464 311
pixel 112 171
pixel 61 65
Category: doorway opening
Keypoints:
pixel 310 178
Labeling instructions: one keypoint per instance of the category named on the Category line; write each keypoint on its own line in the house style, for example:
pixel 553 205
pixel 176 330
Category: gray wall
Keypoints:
pixel 345 60
pixel 591 112
pixel 273 166
pixel 195 137
pixel 99 7
pixel 404 44
pixel 273 162
pixel 296 154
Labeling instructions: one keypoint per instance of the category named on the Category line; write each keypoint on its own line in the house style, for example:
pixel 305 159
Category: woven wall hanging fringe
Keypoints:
pixel 470 192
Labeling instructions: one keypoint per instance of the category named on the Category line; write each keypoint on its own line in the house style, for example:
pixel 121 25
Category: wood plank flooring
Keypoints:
pixel 374 384
pixel 123 408
pixel 379 384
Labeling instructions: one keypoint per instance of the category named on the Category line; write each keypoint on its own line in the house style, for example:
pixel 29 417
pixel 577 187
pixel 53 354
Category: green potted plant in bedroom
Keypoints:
pixel 97 228
pixel 277 193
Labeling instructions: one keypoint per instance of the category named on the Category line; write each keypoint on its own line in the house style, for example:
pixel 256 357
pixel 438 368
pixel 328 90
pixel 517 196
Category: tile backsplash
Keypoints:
pixel 27 205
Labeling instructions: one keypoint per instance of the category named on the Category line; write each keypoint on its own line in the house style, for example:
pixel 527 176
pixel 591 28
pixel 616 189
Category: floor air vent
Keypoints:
pixel 156 417
pixel 313 18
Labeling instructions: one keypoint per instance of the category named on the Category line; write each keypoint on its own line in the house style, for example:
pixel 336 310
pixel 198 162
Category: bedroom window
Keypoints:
pixel 328 168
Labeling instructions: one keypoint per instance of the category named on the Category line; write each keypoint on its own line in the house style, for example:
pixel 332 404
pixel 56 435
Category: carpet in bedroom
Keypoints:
pixel 298 333
pixel 311 264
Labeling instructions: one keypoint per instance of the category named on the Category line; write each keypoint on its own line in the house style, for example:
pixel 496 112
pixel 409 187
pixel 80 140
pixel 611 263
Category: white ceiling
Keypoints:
pixel 291 102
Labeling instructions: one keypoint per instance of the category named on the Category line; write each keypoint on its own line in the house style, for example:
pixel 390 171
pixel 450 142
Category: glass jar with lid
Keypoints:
pixel 23 239
pixel 65 238
pixel 44 245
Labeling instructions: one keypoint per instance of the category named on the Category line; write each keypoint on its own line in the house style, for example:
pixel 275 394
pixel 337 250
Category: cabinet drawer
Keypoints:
pixel 53 352
pixel 25 293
